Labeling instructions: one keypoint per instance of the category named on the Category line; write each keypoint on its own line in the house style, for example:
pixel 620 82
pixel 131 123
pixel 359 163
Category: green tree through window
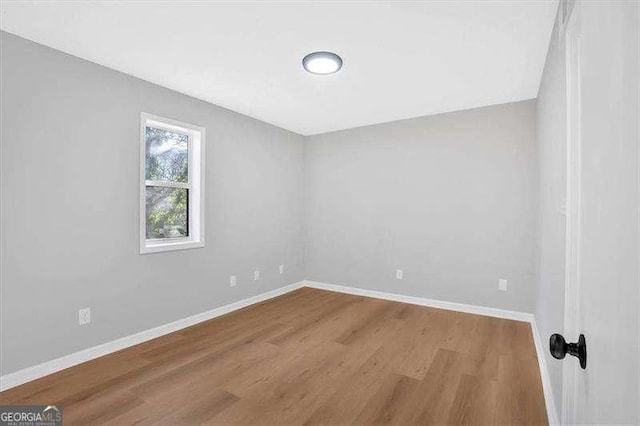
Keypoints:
pixel 167 166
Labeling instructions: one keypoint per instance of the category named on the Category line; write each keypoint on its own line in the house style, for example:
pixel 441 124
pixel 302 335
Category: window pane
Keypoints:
pixel 167 212
pixel 167 156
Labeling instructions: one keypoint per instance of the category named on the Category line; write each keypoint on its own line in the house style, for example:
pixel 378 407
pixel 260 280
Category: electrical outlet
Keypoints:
pixel 502 284
pixel 399 274
pixel 281 269
pixel 256 275
pixel 232 281
pixel 84 316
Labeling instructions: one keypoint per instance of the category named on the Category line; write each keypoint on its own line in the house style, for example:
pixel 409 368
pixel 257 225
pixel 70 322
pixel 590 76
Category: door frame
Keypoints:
pixel 638 136
pixel 573 191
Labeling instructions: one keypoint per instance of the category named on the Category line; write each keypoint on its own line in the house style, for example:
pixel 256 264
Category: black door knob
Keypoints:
pixel 559 348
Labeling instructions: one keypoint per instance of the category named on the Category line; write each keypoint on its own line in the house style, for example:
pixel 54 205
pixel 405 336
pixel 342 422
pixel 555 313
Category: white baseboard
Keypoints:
pixel 31 373
pixel 549 401
pixel 451 306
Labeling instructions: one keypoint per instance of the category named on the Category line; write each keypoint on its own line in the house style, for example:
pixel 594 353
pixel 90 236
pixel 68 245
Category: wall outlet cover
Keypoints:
pixel 399 274
pixel 281 269
pixel 232 281
pixel 256 275
pixel 84 316
pixel 502 284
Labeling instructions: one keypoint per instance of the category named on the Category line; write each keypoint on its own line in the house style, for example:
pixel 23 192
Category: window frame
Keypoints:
pixel 195 185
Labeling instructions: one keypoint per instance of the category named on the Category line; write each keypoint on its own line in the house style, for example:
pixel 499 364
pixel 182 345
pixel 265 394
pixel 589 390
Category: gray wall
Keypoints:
pixel 70 143
pixel 450 199
pixel 552 183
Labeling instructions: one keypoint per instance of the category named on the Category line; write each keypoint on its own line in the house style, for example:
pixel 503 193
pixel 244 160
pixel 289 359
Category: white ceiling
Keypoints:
pixel 401 59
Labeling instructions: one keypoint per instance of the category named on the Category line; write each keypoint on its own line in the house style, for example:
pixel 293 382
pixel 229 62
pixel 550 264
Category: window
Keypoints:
pixel 171 184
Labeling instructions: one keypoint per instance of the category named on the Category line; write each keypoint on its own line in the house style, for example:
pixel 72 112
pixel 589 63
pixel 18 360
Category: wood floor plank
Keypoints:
pixel 102 408
pixel 435 395
pixel 475 402
pixel 206 373
pixel 417 342
pixel 200 408
pixel 520 398
pixel 348 400
pixel 484 349
pixel 390 401
pixel 514 337
pixel 365 320
pixel 310 357
pixel 460 331
pixel 322 324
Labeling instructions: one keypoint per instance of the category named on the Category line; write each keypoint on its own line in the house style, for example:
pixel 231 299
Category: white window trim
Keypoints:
pixel 195 184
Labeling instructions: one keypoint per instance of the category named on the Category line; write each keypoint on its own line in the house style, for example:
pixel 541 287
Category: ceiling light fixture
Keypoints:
pixel 322 63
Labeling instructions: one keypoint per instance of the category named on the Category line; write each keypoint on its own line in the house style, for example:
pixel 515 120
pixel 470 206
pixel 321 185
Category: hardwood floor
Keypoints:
pixel 310 357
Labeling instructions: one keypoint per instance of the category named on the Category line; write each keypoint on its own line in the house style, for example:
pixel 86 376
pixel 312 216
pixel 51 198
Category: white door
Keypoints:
pixel 603 285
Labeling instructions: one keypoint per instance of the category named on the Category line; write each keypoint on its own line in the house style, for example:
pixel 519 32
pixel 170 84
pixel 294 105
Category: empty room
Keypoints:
pixel 320 212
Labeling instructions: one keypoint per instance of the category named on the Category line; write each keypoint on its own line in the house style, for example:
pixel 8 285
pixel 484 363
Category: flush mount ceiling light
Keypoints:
pixel 322 63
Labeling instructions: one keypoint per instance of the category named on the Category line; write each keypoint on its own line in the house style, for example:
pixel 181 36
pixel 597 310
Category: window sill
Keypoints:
pixel 158 247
